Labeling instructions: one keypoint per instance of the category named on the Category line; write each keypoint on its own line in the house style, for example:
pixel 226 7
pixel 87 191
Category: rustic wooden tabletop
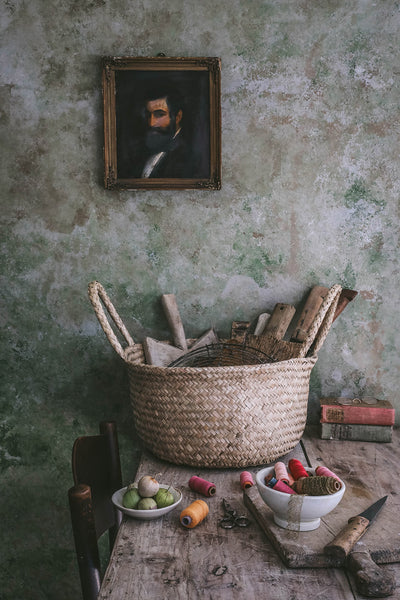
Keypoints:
pixel 161 559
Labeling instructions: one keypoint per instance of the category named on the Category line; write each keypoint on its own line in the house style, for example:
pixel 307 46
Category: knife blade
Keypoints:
pixel 356 526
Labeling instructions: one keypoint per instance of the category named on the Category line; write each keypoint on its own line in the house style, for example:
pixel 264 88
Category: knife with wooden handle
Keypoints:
pixel 340 547
pixel 371 580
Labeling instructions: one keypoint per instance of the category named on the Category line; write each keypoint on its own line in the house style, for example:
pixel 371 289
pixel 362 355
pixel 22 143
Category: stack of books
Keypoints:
pixel 367 419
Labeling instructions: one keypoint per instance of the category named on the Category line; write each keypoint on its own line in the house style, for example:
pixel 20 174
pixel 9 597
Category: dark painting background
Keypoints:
pixel 131 93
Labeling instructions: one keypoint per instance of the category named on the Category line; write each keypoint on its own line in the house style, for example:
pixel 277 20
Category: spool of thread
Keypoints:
pixel 197 484
pixel 268 478
pixel 324 471
pixel 194 514
pixel 317 486
pixel 296 468
pixel 246 480
pixel 281 473
pixel 291 480
pixel 280 486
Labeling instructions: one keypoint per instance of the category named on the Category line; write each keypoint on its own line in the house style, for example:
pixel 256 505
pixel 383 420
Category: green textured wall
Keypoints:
pixel 310 195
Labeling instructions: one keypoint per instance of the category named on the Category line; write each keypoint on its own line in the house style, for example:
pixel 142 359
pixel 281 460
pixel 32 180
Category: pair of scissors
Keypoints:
pixel 231 518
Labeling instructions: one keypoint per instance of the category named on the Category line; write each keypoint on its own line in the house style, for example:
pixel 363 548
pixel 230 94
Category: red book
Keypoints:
pixel 367 411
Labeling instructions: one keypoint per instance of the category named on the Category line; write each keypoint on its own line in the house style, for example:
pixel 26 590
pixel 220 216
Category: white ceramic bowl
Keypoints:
pixel 295 511
pixel 146 515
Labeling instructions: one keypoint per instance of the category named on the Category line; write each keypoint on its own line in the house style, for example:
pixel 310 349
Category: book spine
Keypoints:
pixel 357 415
pixel 356 432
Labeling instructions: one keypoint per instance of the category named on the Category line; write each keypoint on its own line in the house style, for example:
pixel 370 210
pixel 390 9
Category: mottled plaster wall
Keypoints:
pixel 310 194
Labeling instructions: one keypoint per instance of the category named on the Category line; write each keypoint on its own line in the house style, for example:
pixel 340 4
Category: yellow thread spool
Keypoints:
pixel 194 514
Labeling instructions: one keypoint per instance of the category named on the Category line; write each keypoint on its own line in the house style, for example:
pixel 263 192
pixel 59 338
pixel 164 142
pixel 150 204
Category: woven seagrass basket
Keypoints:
pixel 218 417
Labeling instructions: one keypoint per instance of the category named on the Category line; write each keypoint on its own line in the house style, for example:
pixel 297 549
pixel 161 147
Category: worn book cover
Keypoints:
pixel 359 433
pixel 366 411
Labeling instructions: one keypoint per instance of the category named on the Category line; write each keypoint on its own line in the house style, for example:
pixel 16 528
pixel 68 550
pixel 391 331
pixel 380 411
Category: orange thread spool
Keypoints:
pixel 194 514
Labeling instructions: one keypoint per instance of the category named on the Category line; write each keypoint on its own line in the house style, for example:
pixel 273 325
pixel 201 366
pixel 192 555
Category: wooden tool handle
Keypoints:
pixel 174 320
pixel 371 580
pixel 345 297
pixel 239 330
pixel 262 321
pixel 309 312
pixel 345 540
pixel 279 320
pixel 312 306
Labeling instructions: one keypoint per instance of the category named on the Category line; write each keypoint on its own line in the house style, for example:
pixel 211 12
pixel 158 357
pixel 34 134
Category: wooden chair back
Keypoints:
pixel 96 470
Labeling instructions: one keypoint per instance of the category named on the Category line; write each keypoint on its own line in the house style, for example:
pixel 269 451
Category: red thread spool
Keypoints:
pixel 246 480
pixel 297 469
pixel 197 484
pixel 325 472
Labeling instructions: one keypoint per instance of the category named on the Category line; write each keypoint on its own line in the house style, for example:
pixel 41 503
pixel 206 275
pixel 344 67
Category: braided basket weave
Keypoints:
pixel 230 416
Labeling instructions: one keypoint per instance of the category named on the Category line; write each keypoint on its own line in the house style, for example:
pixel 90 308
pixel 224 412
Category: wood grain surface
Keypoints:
pixel 161 559
pixel 370 471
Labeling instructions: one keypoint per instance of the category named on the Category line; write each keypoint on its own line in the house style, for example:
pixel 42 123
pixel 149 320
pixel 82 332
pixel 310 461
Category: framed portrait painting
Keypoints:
pixel 162 123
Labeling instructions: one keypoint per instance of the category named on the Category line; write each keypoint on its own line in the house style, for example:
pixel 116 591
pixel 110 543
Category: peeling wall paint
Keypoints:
pixel 310 195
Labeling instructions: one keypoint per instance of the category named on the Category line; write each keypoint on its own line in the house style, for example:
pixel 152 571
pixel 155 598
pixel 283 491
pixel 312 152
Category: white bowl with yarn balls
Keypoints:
pixel 297 512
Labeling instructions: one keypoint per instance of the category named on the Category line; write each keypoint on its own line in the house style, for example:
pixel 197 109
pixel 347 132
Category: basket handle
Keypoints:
pixel 96 293
pixel 323 320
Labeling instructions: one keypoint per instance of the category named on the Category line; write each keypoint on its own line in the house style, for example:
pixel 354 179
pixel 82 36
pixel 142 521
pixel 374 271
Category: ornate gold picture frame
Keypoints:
pixel 162 123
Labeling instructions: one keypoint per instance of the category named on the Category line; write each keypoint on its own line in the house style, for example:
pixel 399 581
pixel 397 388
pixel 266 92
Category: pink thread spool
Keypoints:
pixel 246 480
pixel 279 486
pixel 325 472
pixel 197 484
pixel 281 472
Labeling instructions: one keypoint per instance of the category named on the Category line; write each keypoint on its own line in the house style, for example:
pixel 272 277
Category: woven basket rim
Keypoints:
pixel 101 303
pixel 209 369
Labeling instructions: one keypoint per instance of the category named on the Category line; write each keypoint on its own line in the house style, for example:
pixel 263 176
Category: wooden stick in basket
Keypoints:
pixel 174 320
pixel 312 305
pixel 239 331
pixel 310 309
pixel 280 349
pixel 279 320
pixel 261 323
pixel 160 354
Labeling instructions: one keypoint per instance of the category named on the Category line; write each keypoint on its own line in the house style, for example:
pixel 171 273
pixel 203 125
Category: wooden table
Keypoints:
pixel 161 559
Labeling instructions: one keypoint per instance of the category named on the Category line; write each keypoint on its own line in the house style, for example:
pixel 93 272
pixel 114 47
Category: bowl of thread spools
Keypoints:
pixel 299 496
pixel 147 499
